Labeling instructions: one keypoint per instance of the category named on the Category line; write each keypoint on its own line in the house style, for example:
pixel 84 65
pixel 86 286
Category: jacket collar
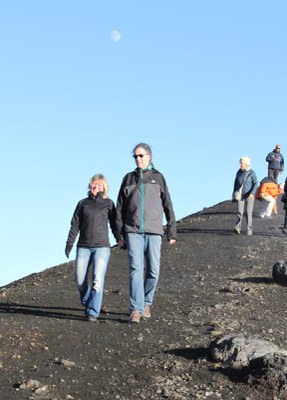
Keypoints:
pixel 99 195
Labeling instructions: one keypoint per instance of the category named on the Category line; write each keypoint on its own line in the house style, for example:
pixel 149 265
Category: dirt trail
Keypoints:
pixel 212 282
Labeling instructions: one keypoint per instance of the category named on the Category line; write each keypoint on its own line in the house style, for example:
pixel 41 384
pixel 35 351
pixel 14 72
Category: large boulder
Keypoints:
pixel 270 372
pixel 238 351
pixel 279 272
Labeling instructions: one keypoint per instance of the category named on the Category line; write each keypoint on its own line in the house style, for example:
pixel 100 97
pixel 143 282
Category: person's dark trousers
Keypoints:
pixel 273 173
pixel 284 230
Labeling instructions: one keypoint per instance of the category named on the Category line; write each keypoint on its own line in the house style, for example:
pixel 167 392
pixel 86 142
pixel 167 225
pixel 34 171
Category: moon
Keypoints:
pixel 116 36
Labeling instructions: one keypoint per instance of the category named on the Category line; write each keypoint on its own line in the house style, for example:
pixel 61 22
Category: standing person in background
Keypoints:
pixel 268 192
pixel 90 219
pixel 142 199
pixel 284 199
pixel 275 163
pixel 246 178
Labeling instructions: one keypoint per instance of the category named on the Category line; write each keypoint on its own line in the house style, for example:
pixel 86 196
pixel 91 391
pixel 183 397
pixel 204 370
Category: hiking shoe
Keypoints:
pixel 249 233
pixel 284 231
pixel 92 318
pixel 237 231
pixel 147 312
pixel 135 316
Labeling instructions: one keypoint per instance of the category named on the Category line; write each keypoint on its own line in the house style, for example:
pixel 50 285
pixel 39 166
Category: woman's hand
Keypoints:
pixel 121 244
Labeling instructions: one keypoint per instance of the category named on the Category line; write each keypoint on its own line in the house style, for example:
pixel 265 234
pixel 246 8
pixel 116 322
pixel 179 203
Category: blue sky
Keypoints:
pixel 202 81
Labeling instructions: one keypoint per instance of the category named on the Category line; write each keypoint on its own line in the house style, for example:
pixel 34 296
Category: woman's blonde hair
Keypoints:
pixel 100 177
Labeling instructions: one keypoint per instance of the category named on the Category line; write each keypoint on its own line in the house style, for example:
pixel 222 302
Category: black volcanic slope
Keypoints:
pixel 212 282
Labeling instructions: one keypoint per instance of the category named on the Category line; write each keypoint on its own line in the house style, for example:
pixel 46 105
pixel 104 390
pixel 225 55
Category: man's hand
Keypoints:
pixel 68 250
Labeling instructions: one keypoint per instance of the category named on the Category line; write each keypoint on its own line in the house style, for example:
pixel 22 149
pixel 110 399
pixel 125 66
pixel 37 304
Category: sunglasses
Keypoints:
pixel 278 148
pixel 135 156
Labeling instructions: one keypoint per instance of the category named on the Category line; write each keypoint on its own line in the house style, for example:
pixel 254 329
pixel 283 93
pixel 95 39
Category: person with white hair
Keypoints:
pixel 245 185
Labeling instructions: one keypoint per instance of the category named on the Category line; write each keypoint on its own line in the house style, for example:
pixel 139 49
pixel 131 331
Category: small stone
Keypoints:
pixel 67 363
pixel 41 390
pixel 29 384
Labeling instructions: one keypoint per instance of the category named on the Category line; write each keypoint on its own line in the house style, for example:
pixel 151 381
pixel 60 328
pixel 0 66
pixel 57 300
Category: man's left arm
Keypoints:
pixel 169 213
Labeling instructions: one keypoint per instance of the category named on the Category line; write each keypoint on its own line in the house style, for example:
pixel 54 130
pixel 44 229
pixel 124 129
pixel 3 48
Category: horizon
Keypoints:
pixel 203 83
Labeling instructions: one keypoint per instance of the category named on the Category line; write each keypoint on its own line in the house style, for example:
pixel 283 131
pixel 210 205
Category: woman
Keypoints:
pixel 142 199
pixel 268 192
pixel 247 179
pixel 90 219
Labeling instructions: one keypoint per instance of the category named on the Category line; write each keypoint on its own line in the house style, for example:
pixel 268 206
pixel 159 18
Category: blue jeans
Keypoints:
pixel 143 282
pixel 91 297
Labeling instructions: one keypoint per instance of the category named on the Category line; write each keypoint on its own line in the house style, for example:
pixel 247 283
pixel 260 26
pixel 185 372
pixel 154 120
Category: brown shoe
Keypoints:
pixel 135 316
pixel 147 312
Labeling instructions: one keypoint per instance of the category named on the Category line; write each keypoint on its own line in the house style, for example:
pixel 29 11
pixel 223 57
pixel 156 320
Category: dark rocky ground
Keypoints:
pixel 212 282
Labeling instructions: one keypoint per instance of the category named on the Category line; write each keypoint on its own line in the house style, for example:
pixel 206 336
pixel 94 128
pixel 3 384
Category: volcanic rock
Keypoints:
pixel 212 284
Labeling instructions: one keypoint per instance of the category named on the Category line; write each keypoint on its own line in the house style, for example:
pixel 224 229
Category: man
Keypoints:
pixel 284 200
pixel 142 199
pixel 275 163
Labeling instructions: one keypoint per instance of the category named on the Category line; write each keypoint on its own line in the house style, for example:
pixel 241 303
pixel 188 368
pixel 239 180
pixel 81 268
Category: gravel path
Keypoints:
pixel 212 283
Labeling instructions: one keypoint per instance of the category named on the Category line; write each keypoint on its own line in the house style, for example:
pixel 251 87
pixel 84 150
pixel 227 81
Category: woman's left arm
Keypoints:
pixel 254 184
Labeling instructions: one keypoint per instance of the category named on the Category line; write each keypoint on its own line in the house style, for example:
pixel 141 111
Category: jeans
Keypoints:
pixel 241 205
pixel 91 297
pixel 143 281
